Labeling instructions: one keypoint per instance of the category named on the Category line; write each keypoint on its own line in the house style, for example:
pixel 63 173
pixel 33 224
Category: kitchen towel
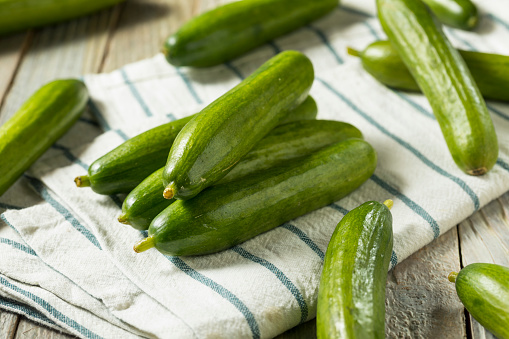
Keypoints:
pixel 268 284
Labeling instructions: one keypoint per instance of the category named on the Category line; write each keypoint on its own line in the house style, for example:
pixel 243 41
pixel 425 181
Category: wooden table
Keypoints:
pixel 420 302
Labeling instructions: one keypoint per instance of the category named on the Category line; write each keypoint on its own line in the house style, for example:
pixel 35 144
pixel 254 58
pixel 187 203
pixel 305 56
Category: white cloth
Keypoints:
pixel 77 261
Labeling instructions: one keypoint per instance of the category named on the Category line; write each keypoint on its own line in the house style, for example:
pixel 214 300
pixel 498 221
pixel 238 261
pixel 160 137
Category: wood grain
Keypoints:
pixel 64 50
pixel 8 324
pixel 484 238
pixel 30 330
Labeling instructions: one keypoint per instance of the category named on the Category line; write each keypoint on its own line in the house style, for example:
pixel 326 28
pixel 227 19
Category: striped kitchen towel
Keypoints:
pixel 268 284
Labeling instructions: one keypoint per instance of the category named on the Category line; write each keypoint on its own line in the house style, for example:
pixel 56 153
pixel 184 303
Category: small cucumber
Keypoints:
pixel 17 15
pixel 126 166
pixel 209 145
pixel 446 81
pixel 231 30
pixel 460 14
pixel 226 215
pixel 351 295
pixel 484 291
pixel 40 121
pixel 282 144
pixel 490 71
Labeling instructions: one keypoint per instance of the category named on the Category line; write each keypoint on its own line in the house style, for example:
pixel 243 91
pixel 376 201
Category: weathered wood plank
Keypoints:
pixel 484 237
pixel 8 324
pixel 420 301
pixel 142 27
pixel 11 52
pixel 64 50
pixel 30 330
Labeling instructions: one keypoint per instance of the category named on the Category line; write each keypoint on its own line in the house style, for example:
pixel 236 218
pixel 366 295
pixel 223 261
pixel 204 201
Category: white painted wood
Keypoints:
pixel 8 324
pixel 11 51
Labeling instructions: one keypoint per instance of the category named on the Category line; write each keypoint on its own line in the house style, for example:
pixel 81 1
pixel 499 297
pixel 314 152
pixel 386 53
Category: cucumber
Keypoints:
pixel 282 144
pixel 231 30
pixel 226 215
pixel 460 14
pixel 39 122
pixel 446 81
pixel 490 71
pixel 126 166
pixel 484 291
pixel 208 147
pixel 16 15
pixel 351 295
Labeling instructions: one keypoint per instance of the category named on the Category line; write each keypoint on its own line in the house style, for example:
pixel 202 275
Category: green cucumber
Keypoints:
pixel 282 144
pixel 351 295
pixel 490 71
pixel 16 15
pixel 126 166
pixel 231 30
pixel 446 81
pixel 226 215
pixel 484 291
pixel 460 14
pixel 208 147
pixel 39 122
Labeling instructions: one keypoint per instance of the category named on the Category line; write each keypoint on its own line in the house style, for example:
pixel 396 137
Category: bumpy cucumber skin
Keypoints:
pixel 351 297
pixel 283 143
pixel 123 168
pixel 16 15
pixel 446 81
pixel 489 71
pixel 460 14
pixel 39 122
pixel 212 143
pixel 233 29
pixel 226 215
pixel 484 290
pixel 126 166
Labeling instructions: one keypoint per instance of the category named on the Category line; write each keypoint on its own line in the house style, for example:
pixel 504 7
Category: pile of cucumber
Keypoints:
pixel 238 168
pixel 256 157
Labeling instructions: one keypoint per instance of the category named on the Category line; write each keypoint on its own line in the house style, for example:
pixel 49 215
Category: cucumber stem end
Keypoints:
pixel 144 244
pixel 452 276
pixel 82 181
pixel 123 219
pixel 353 52
pixel 389 203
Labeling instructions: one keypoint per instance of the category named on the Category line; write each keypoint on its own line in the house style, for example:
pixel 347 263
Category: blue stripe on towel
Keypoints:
pixel 325 40
pixel 44 304
pixel 70 156
pixel 303 236
pixel 222 291
pixel 41 189
pixel 136 94
pixel 98 115
pixel 189 85
pixel 234 69
pixel 27 310
pixel 355 11
pixel 410 203
pixel 419 155
pixel 394 260
pixel 498 20
pixel 503 164
pixel 280 275
pixel 16 244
